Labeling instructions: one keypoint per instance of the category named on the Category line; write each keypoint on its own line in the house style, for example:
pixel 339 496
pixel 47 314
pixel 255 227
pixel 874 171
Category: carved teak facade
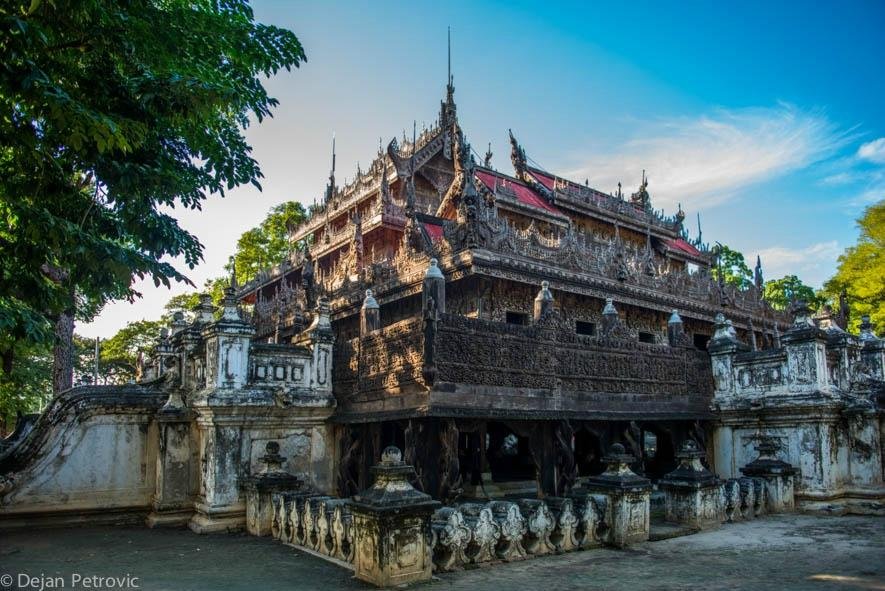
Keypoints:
pixel 457 354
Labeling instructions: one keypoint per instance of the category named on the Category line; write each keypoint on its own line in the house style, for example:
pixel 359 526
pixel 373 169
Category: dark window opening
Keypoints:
pixel 517 318
pixel 701 340
pixel 586 328
pixel 646 337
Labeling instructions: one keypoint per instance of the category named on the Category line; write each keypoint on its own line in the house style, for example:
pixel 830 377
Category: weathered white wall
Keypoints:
pixel 91 462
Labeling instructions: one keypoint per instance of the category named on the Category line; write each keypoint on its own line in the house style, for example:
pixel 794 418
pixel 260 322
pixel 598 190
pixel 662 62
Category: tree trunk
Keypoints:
pixel 63 353
pixel 7 357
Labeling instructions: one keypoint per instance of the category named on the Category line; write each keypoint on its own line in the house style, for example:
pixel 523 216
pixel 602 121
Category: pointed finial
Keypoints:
pixel 449 76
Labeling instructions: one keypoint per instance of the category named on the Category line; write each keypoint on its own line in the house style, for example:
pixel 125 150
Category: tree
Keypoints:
pixel 268 243
pixel 861 270
pixel 112 114
pixel 781 293
pixel 733 267
pixel 119 354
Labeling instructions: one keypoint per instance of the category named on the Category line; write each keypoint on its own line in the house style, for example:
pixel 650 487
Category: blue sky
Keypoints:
pixel 767 118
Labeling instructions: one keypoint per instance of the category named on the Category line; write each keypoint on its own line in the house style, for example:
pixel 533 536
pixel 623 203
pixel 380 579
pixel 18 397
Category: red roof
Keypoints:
pixel 523 194
pixel 543 179
pixel 435 231
pixel 683 246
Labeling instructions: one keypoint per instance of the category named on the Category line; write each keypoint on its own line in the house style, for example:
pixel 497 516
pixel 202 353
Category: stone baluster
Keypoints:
pixel 391 523
pixel 565 535
pixel 452 538
pixel 540 523
pixel 513 530
pixel 296 521
pixel 484 530
pixel 342 532
pixel 748 498
pixel 593 520
pixel 732 494
pixel 278 526
pixel 760 502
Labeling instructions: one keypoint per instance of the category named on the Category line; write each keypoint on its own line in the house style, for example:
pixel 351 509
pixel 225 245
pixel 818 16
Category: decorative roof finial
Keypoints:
pixel 448 110
pixel 233 273
pixel 330 188
pixel 449 76
pixel 757 273
pixel 487 159
pixel 517 156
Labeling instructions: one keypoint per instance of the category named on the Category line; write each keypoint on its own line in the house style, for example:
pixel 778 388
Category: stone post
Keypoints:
pixel 370 315
pixel 227 347
pixel 872 349
pixel 434 286
pixel 675 329
pixel 628 496
pixel 722 348
pixel 806 347
pixel 259 489
pixel 543 302
pixel 391 523
pixel 219 505
pixel 692 494
pixel 172 503
pixel 320 338
pixel 778 475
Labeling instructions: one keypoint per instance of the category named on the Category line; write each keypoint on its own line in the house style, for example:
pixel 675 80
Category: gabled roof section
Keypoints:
pixel 682 247
pixel 503 184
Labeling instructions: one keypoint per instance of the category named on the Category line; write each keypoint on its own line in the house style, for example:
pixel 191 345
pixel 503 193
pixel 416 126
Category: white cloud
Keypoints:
pixel 813 264
pixel 706 159
pixel 873 151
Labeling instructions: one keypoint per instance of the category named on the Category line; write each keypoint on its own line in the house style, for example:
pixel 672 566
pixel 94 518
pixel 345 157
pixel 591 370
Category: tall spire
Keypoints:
pixel 757 273
pixel 449 77
pixel 330 188
pixel 448 110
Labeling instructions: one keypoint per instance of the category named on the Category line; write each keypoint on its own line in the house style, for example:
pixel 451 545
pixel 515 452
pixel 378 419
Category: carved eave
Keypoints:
pixel 514 267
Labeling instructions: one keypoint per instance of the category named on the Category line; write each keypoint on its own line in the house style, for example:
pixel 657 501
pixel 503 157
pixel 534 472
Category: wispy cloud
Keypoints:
pixel 813 264
pixel 873 151
pixel 706 159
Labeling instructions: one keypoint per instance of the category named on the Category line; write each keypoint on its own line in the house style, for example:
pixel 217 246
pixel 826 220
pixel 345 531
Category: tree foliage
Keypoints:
pixel 118 359
pixel 733 267
pixel 781 293
pixel 861 271
pixel 113 113
pixel 268 243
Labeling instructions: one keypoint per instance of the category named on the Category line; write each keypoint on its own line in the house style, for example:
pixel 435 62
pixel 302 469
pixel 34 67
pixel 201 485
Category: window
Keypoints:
pixel 646 337
pixel 585 328
pixel 517 318
pixel 701 340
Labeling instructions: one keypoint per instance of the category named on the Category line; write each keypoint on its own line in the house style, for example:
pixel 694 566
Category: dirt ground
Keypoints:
pixel 776 552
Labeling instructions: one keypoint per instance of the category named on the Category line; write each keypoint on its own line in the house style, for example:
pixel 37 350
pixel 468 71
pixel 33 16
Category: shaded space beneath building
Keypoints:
pixel 775 552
